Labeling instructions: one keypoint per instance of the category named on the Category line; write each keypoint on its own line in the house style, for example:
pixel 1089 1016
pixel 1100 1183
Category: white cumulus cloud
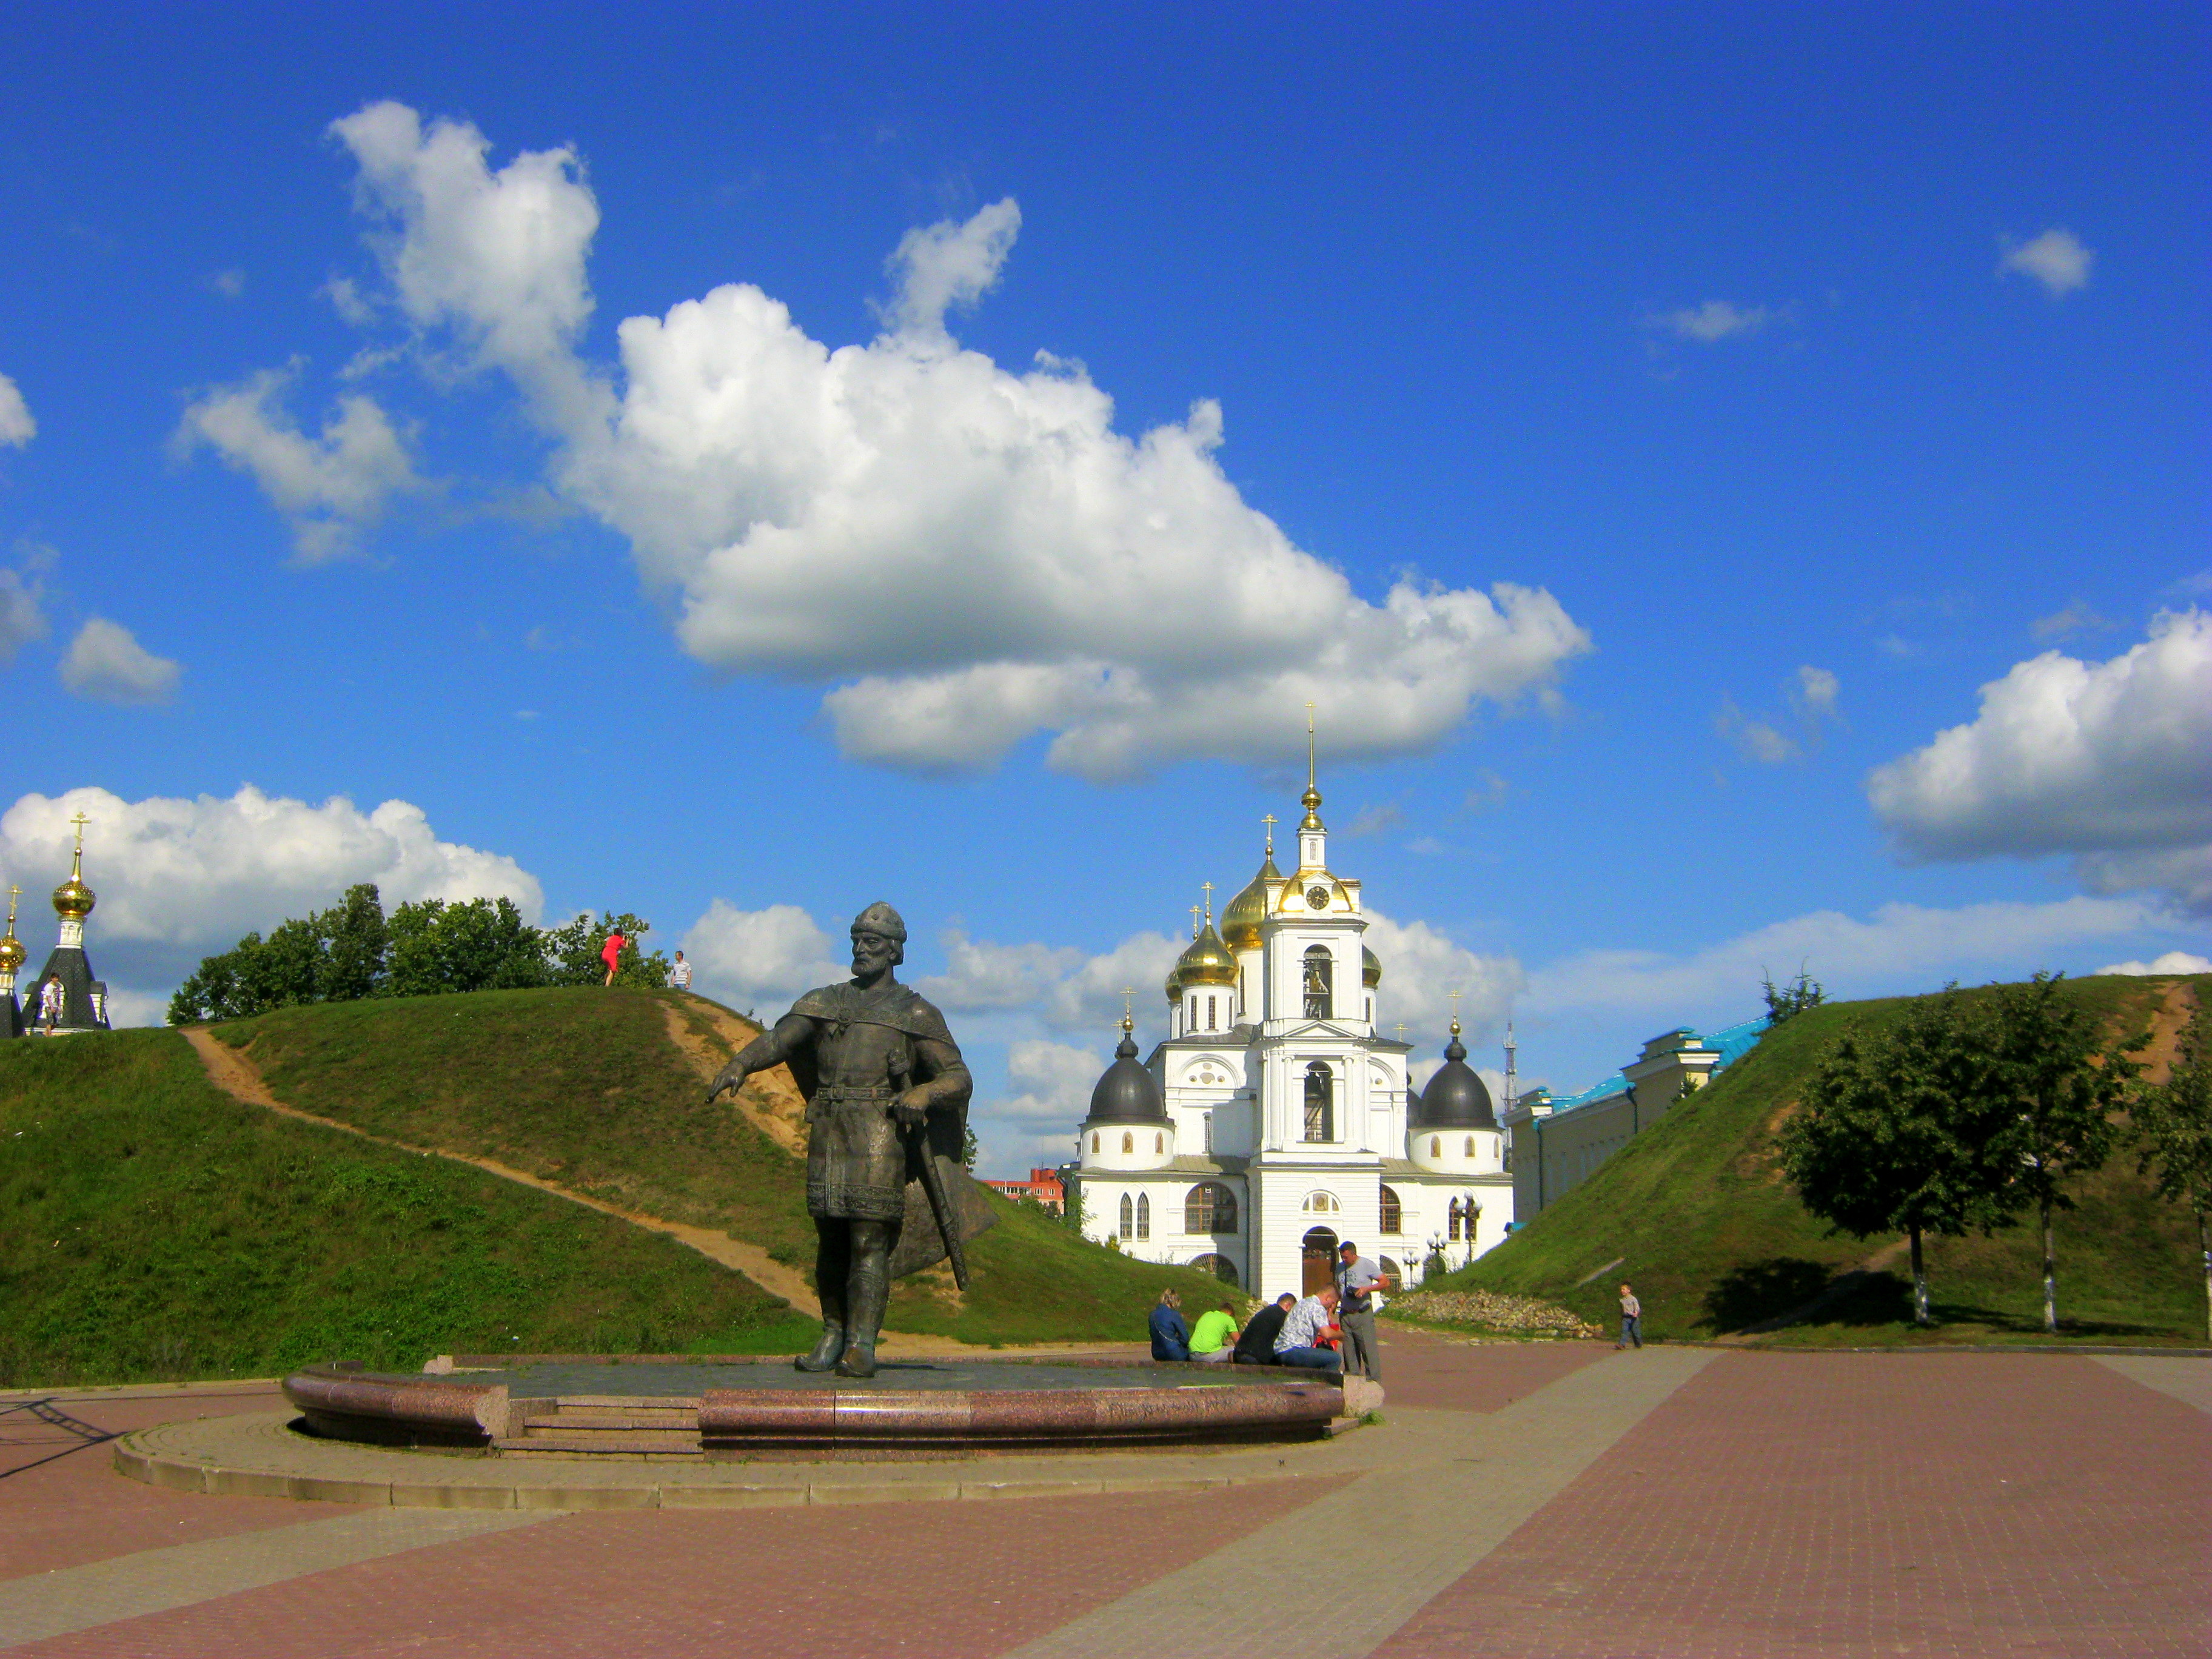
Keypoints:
pixel 982 977
pixel 754 959
pixel 1848 955
pixel 1714 321
pixel 17 426
pixel 969 555
pixel 178 878
pixel 106 664
pixel 2110 760
pixel 2173 961
pixel 22 620
pixel 2057 259
pixel 328 485
pixel 1817 688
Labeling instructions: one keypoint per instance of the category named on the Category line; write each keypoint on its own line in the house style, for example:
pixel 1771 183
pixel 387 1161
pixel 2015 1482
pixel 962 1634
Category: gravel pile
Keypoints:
pixel 1494 1311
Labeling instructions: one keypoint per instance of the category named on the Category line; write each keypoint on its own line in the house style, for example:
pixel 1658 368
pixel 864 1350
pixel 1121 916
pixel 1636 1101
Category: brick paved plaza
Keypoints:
pixel 1569 1501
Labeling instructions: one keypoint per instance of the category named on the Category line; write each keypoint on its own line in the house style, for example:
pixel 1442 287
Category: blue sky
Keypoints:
pixel 1733 482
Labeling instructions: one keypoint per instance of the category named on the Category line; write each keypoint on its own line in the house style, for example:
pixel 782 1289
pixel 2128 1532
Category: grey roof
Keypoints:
pixel 1127 1092
pixel 1455 1098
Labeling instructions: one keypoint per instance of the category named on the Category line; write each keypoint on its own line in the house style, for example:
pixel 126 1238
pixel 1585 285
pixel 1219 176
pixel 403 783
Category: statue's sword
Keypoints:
pixel 932 1182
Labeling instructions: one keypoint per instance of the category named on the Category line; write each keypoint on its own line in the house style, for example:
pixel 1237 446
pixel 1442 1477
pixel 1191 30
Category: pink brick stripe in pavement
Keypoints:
pixel 62 1505
pixel 1858 1504
pixel 748 1584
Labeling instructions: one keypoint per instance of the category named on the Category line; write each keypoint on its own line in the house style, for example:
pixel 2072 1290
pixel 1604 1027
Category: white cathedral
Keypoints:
pixel 1274 1121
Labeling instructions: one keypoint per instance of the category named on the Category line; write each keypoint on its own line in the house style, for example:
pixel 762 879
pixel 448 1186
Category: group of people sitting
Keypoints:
pixel 1329 1331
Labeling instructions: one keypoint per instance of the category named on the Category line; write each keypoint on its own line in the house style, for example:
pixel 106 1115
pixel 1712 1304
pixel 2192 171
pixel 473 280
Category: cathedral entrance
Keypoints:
pixel 1318 1260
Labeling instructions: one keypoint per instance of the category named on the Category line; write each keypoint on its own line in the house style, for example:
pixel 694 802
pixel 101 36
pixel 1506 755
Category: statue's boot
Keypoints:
pixel 826 1353
pixel 868 1293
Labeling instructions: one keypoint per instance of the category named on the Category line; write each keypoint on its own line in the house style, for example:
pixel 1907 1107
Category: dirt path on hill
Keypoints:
pixel 237 1077
pixel 770 1102
pixel 2169 1022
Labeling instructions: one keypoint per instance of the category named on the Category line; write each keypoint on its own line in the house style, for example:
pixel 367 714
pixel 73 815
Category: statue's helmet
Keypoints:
pixel 880 918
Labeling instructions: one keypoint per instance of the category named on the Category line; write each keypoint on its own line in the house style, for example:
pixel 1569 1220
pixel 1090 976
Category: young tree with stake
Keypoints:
pixel 2173 1129
pixel 1896 1132
pixel 2063 1085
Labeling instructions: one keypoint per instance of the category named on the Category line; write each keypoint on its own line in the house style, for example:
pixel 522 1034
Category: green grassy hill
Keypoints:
pixel 589 1088
pixel 153 1227
pixel 1715 1240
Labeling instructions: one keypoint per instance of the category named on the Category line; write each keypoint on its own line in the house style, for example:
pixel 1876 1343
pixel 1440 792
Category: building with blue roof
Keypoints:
pixel 1554 1144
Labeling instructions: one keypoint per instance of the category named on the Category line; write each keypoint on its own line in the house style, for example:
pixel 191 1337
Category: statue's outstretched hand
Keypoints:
pixel 729 1077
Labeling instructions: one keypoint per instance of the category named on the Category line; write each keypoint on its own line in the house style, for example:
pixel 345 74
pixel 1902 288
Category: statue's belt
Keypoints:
pixel 839 1094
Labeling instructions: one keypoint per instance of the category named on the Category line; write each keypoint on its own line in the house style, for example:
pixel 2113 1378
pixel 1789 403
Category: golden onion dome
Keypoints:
pixel 1240 922
pixel 11 953
pixel 1371 968
pixel 1207 962
pixel 1174 985
pixel 73 898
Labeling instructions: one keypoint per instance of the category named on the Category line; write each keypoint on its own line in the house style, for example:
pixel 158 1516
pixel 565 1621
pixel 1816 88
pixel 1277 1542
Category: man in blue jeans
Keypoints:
pixel 1298 1343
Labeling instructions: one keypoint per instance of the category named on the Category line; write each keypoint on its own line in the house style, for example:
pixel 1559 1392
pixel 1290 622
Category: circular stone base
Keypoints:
pixel 580 1408
pixel 262 1454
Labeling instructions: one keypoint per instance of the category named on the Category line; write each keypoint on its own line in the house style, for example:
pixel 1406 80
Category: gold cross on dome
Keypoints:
pixel 1209 899
pixel 1270 822
pixel 1455 996
pixel 80 820
pixel 1194 921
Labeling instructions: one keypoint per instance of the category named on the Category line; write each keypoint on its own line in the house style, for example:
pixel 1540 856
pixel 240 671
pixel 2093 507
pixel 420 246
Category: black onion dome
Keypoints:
pixel 1455 1098
pixel 1127 1092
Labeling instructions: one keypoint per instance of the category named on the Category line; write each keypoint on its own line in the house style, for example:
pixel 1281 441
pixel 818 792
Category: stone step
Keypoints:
pixel 685 1420
pixel 631 1442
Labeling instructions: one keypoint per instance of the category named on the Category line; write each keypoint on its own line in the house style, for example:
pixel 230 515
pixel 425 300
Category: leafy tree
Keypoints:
pixel 1785 1002
pixel 470 945
pixel 2173 1131
pixel 327 957
pixel 356 939
pixel 2063 1085
pixel 1898 1132
pixel 572 952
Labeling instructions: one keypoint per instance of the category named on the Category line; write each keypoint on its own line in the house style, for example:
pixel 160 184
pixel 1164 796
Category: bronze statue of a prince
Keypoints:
pixel 885 1088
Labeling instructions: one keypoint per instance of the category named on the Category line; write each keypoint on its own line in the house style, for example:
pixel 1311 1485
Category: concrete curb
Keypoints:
pixel 258 1456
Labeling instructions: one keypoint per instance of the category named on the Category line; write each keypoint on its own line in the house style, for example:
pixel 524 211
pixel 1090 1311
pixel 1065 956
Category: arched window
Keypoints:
pixel 1321 1204
pixel 1129 1141
pixel 1129 1213
pixel 1451 1219
pixel 1435 1146
pixel 1143 1215
pixel 1094 1140
pixel 1209 1014
pixel 1317 1260
pixel 1394 1277
pixel 1371 1010
pixel 1220 1265
pixel 1321 1102
pixel 1470 1146
pixel 1320 976
pixel 1160 1144
pixel 1393 1215
pixel 1205 1128
pixel 1209 1207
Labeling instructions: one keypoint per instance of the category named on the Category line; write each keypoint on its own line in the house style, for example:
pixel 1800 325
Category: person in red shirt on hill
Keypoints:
pixel 610 952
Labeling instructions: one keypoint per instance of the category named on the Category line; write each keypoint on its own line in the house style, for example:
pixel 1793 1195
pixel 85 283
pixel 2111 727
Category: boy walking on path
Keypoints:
pixel 680 974
pixel 1357 1280
pixel 1632 1320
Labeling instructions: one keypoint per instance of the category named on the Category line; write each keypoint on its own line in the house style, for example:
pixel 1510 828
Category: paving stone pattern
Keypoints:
pixel 1670 1502
pixel 1858 1504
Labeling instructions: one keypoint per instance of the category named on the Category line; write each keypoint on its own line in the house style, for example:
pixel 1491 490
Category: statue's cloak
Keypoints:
pixel 901 1008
